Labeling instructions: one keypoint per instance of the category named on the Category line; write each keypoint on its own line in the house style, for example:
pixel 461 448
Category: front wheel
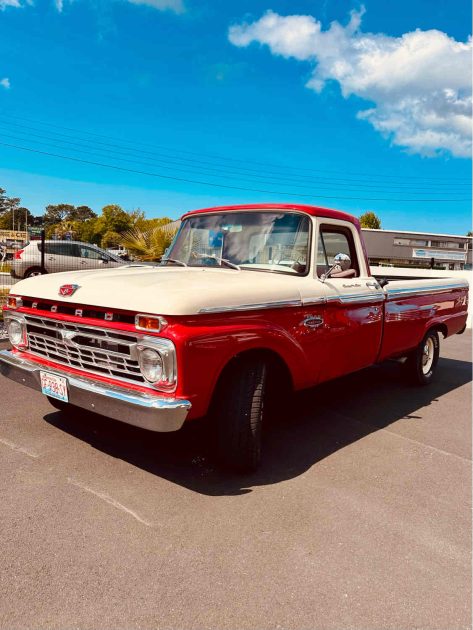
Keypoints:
pixel 238 414
pixel 422 362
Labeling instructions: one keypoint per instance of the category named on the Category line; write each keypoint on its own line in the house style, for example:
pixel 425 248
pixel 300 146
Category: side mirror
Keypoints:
pixel 341 262
pixel 104 260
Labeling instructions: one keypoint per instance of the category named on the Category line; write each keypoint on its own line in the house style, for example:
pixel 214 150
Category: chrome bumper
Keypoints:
pixel 155 413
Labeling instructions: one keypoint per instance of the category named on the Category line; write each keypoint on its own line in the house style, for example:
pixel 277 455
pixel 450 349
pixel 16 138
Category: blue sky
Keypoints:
pixel 255 94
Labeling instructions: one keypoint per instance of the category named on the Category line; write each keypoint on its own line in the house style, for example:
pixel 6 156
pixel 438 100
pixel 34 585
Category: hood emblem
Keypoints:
pixel 68 289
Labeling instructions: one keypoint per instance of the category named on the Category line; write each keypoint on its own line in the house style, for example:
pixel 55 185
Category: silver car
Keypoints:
pixel 61 256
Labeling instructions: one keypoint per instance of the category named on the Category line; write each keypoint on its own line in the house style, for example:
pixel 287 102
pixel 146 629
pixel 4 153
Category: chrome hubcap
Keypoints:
pixel 428 355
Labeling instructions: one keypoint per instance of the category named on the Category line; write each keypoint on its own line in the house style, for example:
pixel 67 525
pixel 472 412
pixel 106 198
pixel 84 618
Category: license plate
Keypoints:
pixel 54 386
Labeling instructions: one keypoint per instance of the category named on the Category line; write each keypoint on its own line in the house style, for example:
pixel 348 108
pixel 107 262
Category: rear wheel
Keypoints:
pixel 422 362
pixel 34 271
pixel 238 414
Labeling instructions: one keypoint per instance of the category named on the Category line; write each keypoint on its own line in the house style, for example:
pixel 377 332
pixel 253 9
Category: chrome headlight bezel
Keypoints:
pixel 20 340
pixel 166 351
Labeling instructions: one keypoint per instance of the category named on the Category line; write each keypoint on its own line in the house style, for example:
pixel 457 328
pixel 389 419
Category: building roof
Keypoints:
pixel 411 232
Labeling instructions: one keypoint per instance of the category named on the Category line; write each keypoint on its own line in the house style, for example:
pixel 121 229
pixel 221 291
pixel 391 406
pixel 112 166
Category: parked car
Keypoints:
pixel 60 256
pixel 249 304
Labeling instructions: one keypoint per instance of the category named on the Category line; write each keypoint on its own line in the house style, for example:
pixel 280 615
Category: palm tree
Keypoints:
pixel 148 245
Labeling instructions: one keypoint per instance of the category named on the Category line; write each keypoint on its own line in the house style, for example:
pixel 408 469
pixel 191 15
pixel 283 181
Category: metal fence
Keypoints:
pixel 39 256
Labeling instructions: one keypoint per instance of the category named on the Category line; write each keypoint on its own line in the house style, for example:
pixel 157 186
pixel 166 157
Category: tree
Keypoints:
pixel 111 239
pixel 81 213
pixel 16 218
pixel 7 203
pixel 57 213
pixel 370 220
pixel 149 245
pixel 470 233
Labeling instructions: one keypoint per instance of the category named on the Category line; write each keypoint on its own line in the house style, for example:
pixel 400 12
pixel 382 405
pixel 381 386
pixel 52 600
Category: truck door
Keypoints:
pixel 353 311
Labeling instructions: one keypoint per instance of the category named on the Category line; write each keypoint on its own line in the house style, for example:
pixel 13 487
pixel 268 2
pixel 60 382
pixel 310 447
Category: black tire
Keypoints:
pixel 422 362
pixel 60 405
pixel 33 271
pixel 237 414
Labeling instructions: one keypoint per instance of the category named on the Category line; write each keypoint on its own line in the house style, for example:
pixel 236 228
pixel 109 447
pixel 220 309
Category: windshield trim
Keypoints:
pixel 269 210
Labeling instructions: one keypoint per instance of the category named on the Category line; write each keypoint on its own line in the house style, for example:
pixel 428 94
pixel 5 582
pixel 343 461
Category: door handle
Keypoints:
pixel 373 284
pixel 50 258
pixel 313 321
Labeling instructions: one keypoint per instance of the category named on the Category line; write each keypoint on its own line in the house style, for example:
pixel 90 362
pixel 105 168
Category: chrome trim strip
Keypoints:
pixel 394 293
pixel 251 307
pixel 148 411
pixel 313 300
pixel 357 298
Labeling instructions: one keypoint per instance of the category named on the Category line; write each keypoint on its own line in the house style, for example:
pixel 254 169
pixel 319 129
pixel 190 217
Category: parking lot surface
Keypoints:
pixel 359 517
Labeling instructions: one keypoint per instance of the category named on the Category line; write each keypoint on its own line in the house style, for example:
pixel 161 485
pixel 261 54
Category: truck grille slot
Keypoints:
pixel 105 352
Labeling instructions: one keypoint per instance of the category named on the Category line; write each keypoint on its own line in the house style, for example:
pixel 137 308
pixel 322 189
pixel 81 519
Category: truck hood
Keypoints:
pixel 165 290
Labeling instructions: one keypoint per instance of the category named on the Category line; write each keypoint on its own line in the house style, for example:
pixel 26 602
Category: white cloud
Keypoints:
pixel 162 5
pixel 5 83
pixel 419 83
pixel 18 4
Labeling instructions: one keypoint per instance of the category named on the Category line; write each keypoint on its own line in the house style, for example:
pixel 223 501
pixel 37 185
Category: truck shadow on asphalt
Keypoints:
pixel 320 422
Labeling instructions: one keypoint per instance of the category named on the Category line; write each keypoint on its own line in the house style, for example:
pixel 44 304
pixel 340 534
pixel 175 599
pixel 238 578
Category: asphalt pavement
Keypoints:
pixel 360 517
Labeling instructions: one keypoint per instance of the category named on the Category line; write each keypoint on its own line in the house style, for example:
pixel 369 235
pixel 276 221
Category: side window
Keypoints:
pixel 335 240
pixel 60 248
pixel 91 253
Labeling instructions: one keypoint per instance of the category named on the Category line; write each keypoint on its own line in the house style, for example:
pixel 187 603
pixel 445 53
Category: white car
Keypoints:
pixel 60 256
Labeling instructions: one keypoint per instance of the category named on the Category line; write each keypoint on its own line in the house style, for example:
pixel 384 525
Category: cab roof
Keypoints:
pixel 316 211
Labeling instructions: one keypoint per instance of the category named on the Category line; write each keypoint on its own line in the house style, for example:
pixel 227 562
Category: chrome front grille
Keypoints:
pixel 105 352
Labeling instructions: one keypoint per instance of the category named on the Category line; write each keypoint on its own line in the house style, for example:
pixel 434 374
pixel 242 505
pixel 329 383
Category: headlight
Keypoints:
pixel 151 365
pixel 17 333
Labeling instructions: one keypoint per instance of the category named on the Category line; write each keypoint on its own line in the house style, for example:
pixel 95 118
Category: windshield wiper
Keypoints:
pixel 173 260
pixel 221 261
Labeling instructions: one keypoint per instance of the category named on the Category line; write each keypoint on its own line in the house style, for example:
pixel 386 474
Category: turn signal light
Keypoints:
pixel 150 322
pixel 14 302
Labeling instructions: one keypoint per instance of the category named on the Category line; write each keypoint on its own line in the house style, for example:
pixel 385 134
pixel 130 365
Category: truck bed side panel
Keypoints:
pixel 412 307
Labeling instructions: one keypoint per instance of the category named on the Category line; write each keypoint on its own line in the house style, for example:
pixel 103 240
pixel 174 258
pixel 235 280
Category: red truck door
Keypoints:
pixel 353 311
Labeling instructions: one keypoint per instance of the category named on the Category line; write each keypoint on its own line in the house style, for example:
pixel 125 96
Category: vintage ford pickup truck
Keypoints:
pixel 249 302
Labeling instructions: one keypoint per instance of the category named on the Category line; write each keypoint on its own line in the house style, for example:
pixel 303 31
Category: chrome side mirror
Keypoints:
pixel 341 262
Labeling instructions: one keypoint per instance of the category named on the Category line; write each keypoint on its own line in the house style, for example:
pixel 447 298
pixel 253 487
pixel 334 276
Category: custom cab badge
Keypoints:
pixel 68 289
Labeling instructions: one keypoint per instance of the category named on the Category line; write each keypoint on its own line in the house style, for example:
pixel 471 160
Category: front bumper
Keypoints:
pixel 148 411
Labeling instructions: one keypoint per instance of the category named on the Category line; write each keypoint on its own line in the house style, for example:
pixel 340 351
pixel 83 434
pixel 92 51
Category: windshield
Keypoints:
pixel 268 241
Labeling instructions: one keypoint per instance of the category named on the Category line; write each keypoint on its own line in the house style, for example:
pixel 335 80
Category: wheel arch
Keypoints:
pixel 33 268
pixel 279 369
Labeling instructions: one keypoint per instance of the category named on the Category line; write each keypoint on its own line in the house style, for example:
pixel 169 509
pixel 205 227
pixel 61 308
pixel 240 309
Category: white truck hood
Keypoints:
pixel 165 290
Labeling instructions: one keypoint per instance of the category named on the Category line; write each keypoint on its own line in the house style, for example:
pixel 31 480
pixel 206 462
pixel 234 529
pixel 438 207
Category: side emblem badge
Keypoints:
pixel 68 289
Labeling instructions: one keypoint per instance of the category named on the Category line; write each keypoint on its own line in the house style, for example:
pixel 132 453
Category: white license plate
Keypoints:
pixel 54 386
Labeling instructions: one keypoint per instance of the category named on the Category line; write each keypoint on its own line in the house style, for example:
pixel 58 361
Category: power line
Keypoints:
pixel 215 185
pixel 101 154
pixel 233 159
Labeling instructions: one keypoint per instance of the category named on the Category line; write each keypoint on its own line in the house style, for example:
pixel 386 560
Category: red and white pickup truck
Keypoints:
pixel 249 301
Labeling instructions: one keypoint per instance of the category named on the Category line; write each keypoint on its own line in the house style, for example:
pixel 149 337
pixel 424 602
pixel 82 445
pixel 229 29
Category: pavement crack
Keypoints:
pixel 110 500
pixel 19 449
pixel 400 436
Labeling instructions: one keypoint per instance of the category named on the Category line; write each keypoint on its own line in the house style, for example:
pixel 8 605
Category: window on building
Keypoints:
pixel 412 242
